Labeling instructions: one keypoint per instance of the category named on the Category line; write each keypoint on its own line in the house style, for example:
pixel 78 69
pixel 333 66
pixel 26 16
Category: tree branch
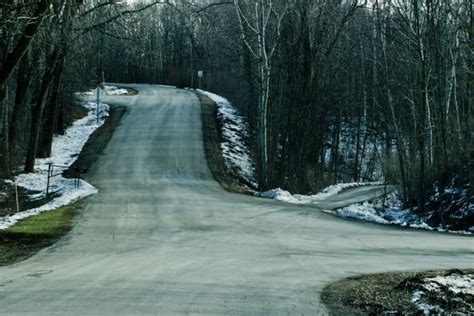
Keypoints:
pixel 22 45
pixel 213 5
pixel 126 12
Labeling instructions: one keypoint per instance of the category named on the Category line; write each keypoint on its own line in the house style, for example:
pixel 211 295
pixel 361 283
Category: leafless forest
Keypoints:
pixel 334 90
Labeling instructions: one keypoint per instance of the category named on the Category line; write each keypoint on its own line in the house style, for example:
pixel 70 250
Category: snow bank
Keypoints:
pixel 285 196
pixel 65 150
pixel 113 90
pixel 390 211
pixel 364 211
pixel 235 138
pixel 280 195
pixel 117 92
pixel 108 90
pixel 455 283
pixel 237 155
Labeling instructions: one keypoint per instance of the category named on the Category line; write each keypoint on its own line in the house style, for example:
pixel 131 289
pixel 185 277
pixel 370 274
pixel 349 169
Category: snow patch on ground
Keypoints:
pixel 455 283
pixel 364 211
pixel 113 90
pixel 444 289
pixel 280 195
pixel 425 308
pixel 235 137
pixel 108 90
pixel 285 196
pixel 65 150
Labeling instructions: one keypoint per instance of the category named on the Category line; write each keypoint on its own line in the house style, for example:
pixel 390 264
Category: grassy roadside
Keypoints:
pixel 212 147
pixel 32 234
pixel 376 294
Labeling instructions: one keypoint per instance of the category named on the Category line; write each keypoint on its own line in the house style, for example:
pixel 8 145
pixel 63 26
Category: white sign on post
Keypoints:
pixel 200 74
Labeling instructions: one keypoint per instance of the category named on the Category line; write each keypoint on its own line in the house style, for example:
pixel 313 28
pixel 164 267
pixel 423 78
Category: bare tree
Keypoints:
pixel 260 26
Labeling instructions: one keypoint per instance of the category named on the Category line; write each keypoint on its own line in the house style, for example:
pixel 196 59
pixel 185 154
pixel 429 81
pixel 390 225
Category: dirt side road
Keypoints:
pixel 163 238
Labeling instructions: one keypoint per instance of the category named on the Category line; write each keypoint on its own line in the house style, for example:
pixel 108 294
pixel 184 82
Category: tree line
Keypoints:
pixel 345 90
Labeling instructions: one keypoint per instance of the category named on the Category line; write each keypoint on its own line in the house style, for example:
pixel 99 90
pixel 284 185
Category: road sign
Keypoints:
pixel 200 74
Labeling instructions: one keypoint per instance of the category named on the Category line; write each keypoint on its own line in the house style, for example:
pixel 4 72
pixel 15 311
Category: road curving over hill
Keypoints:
pixel 163 238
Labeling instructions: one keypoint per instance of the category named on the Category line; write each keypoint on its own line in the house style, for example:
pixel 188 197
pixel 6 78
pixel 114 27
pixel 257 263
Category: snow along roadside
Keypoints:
pixel 237 157
pixel 285 196
pixel 65 150
pixel 390 211
pixel 108 90
pixel 235 135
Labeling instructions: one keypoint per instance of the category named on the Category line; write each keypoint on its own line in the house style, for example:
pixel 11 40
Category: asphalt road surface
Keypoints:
pixel 163 238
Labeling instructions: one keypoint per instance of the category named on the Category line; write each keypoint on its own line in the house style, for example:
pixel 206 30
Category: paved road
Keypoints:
pixel 163 238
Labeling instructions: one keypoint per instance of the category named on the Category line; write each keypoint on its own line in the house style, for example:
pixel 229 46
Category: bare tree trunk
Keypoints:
pixel 389 99
pixel 262 53
pixel 263 131
pixel 37 114
pixel 336 144
pixel 51 119
pixel 22 45
pixel 356 168
pixel 5 143
pixel 423 109
pixel 8 67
